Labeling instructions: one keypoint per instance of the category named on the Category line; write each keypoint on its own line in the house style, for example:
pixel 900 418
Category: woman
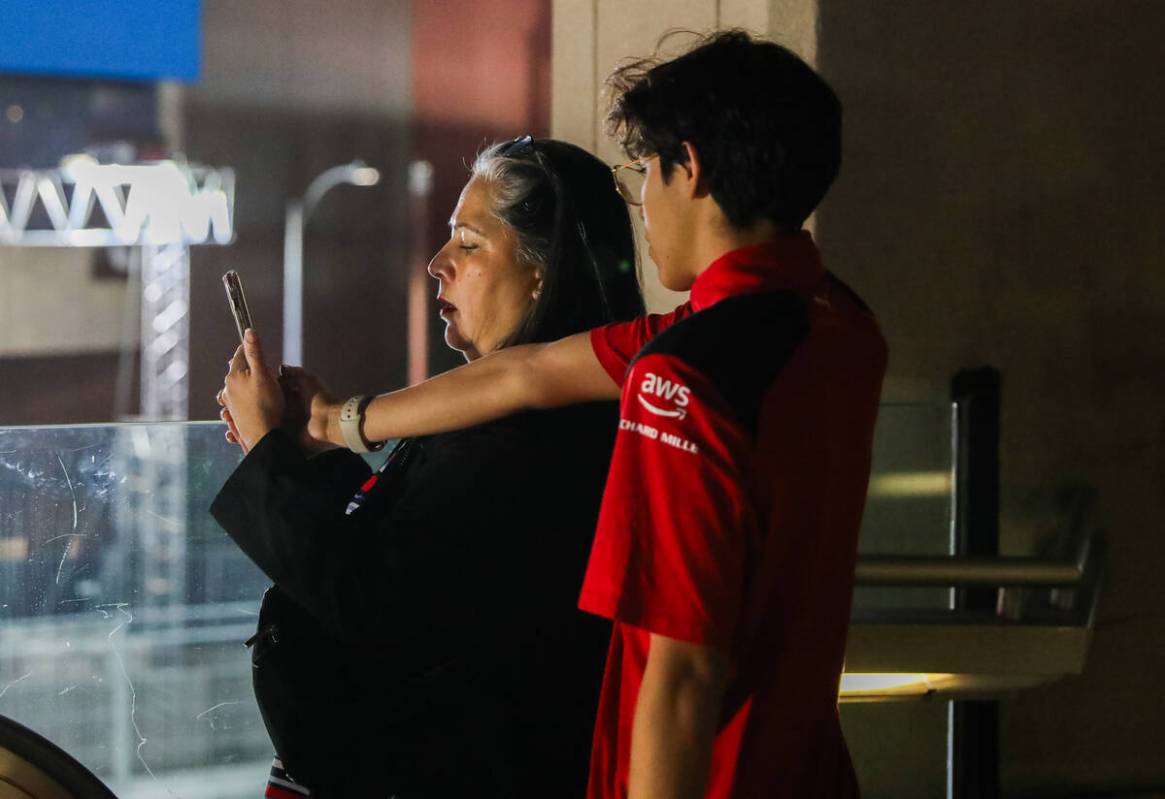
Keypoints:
pixel 421 638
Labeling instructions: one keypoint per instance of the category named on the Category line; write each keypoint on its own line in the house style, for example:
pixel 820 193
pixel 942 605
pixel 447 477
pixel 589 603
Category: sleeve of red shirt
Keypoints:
pixel 617 344
pixel 676 524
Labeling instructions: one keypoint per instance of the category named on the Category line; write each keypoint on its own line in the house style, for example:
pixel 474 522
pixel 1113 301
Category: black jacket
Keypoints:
pixel 428 644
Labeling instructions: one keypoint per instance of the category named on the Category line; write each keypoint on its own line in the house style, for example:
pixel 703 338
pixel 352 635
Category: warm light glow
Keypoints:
pixel 14 549
pixel 910 484
pixel 869 684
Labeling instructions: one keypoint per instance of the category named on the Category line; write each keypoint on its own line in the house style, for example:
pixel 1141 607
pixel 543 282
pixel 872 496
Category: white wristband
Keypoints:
pixel 351 423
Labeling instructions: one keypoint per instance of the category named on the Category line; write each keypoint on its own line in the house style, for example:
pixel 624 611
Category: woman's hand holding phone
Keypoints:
pixel 306 402
pixel 252 398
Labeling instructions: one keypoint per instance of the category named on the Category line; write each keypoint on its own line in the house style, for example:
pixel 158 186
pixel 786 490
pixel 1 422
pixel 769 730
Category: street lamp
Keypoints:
pixel 356 173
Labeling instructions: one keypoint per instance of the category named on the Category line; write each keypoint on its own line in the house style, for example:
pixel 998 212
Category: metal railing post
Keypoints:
pixel 973 726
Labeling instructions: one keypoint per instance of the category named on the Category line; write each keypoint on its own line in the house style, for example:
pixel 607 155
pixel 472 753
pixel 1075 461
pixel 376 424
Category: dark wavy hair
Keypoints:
pixel 571 223
pixel 766 126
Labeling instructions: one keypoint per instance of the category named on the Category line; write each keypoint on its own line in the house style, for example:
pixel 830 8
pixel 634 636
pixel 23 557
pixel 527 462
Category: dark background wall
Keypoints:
pixel 286 91
pixel 481 73
pixel 1001 203
pixel 291 92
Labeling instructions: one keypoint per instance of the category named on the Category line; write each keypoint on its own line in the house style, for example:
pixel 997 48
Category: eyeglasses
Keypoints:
pixel 630 177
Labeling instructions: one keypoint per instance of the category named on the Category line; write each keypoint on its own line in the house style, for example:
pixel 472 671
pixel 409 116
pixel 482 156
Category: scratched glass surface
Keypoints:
pixel 123 606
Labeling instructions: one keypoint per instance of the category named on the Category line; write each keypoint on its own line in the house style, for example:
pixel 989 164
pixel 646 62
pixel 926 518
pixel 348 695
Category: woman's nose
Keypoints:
pixel 440 267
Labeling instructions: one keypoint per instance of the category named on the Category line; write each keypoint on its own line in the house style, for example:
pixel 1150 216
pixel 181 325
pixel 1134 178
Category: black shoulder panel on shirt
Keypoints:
pixel 740 345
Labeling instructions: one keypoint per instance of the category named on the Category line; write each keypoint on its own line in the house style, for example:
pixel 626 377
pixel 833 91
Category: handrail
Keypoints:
pixel 1069 565
pixel 952 572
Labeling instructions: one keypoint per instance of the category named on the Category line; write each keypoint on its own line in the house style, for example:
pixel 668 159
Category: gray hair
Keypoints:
pixel 520 190
pixel 570 225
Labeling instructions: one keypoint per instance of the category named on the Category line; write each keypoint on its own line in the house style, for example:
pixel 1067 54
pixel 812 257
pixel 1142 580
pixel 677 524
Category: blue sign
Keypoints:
pixel 120 39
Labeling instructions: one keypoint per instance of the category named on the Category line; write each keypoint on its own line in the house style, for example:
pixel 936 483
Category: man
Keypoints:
pixel 726 543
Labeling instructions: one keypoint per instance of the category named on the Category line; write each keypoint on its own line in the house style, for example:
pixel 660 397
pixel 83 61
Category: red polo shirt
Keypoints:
pixel 732 508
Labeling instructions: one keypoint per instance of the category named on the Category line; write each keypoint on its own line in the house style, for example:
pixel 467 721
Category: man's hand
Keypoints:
pixel 676 719
pixel 314 404
pixel 309 406
pixel 252 399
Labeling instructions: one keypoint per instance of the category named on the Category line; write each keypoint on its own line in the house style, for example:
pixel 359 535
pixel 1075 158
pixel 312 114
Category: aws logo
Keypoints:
pixel 655 388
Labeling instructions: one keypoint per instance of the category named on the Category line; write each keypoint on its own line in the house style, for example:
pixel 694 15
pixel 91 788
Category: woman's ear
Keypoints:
pixel 537 292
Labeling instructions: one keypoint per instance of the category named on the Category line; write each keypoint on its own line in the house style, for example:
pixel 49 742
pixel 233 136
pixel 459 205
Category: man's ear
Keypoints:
pixel 693 171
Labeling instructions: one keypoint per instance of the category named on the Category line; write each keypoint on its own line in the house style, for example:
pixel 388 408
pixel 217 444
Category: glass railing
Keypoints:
pixel 123 606
pixel 910 506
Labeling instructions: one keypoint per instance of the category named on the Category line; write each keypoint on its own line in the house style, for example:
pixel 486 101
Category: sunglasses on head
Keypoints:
pixel 518 146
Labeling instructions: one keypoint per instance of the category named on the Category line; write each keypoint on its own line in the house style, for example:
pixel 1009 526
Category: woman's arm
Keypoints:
pixel 427 559
pixel 282 508
pixel 563 372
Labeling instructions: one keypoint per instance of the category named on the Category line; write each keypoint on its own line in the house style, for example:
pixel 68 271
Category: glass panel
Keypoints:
pixel 909 512
pixel 910 509
pixel 123 606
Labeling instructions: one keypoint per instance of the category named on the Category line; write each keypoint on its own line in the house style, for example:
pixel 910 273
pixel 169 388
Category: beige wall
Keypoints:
pixel 592 36
pixel 1000 202
pixel 50 303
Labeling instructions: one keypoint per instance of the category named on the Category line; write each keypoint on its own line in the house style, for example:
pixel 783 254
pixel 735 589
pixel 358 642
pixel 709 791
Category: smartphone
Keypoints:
pixel 238 301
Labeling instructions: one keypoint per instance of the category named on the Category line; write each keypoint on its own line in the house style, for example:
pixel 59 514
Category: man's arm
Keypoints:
pixel 563 372
pixel 676 717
